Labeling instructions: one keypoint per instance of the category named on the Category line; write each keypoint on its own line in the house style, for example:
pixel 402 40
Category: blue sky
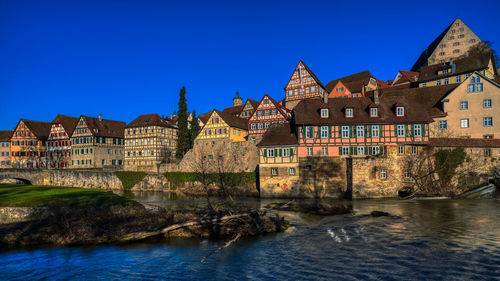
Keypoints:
pixel 127 58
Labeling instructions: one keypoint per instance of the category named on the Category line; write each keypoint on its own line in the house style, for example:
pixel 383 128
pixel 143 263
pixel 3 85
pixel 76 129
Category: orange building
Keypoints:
pixel 352 86
pixel 28 144
pixel 5 149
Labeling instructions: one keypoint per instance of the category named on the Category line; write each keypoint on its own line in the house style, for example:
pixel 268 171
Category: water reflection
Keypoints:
pixel 419 240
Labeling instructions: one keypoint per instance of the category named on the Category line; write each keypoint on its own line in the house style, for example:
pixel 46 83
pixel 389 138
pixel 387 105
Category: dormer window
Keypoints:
pixel 340 89
pixel 348 112
pixel 373 112
pixel 400 111
pixel 475 85
pixel 324 113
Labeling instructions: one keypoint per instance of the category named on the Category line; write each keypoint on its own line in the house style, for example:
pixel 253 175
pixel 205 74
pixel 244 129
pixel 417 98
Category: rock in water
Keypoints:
pixel 379 214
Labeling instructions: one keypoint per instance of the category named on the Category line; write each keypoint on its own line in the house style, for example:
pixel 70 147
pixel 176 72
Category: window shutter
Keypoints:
pixel 280 151
pixel 340 150
pixel 370 150
pixel 423 130
pixel 303 128
pixel 275 152
pixel 265 152
pixel 318 132
pixel 395 130
pixel 412 133
pixel 329 132
pixel 291 151
pixel 369 131
pixel 408 132
pixel 351 134
pixel 351 150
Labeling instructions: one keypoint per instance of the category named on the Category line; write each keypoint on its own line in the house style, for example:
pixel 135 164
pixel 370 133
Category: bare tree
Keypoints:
pixel 201 165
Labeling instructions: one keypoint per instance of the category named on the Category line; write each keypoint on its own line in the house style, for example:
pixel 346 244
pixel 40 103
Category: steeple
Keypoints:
pixel 237 100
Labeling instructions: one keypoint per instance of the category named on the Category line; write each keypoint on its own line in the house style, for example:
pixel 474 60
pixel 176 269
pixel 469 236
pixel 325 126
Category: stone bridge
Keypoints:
pixel 70 178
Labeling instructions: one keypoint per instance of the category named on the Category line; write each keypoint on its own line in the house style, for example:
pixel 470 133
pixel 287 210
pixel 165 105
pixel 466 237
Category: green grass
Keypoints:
pixel 129 179
pixel 12 195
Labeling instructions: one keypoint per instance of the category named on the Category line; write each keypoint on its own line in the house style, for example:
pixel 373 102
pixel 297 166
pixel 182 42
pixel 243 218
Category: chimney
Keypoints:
pixel 375 97
pixel 100 117
pixel 325 97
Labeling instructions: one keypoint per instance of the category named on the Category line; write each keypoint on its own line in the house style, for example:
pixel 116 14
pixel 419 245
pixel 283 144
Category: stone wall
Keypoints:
pixel 234 157
pixel 367 181
pixel 23 214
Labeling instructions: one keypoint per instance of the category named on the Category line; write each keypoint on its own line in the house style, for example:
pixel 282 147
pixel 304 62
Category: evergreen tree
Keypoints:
pixel 194 129
pixel 182 124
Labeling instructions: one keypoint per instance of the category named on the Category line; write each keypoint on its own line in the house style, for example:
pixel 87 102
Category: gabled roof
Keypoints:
pixel 204 117
pixel 232 121
pixel 463 65
pixel 253 102
pixel 150 120
pixel 464 142
pixel 279 134
pixel 381 84
pixel 68 123
pixel 315 78
pixel 406 76
pixel 307 112
pixel 363 76
pixel 5 135
pixel 427 97
pixel 283 110
pixel 106 128
pixel 234 110
pixel 40 129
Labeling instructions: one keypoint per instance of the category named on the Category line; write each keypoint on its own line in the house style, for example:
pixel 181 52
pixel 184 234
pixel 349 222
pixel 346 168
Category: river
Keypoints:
pixel 421 239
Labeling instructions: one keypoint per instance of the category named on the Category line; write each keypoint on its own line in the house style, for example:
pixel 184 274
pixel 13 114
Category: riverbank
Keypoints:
pixel 88 217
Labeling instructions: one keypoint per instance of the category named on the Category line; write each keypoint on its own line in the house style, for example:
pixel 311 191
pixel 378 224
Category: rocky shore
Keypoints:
pixel 69 226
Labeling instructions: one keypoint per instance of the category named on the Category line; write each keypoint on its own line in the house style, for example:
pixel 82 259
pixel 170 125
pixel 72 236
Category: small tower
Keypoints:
pixel 237 100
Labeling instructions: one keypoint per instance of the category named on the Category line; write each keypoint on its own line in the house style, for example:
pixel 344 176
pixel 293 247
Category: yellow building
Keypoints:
pixel 224 126
pixel 471 110
pixel 5 149
pixel 457 71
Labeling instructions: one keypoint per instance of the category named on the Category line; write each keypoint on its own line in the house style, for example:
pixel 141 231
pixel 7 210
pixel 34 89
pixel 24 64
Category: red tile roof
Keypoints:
pixel 40 129
pixel 5 135
pixel 151 120
pixel 69 123
pixel 307 112
pixel 463 65
pixel 279 134
pixel 234 110
pixel 407 76
pixel 105 128
pixel 464 142
pixel 233 121
pixel 363 76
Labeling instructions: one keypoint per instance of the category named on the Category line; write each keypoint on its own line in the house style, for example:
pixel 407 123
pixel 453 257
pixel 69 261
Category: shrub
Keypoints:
pixel 228 179
pixel 129 179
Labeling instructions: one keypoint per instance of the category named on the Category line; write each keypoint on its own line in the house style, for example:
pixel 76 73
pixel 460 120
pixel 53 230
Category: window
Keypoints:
pixel 464 105
pixel 324 113
pixel 324 150
pixel 344 150
pixel 345 131
pixel 438 82
pixel 383 173
pixel 267 125
pixel 488 121
pixel 458 79
pixel 446 81
pixel 475 85
pixel 488 136
pixel 360 131
pixel 417 130
pixel 375 131
pixel 285 152
pixel 456 43
pixel 400 111
pixel 274 171
pixel 324 132
pixel 302 91
pixel 253 126
pixel 290 93
pixel 261 126
pixel 340 89
pixel 407 173
pixel 401 149
pixel 464 123
pixel 309 132
pixel 487 103
pixel 309 151
pixel 414 150
pixel 400 130
pixel 456 51
pixel 373 112
pixel 424 84
pixel 291 171
pixel 348 112
pixel 376 150
pixel 443 124
pixel 473 40
pixel 313 89
pixel 360 150
pixel 487 152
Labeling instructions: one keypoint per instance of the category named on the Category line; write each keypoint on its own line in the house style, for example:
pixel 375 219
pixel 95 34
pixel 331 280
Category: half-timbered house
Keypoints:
pixel 221 125
pixel 352 86
pixel 29 144
pixel 267 113
pixel 303 84
pixel 59 141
